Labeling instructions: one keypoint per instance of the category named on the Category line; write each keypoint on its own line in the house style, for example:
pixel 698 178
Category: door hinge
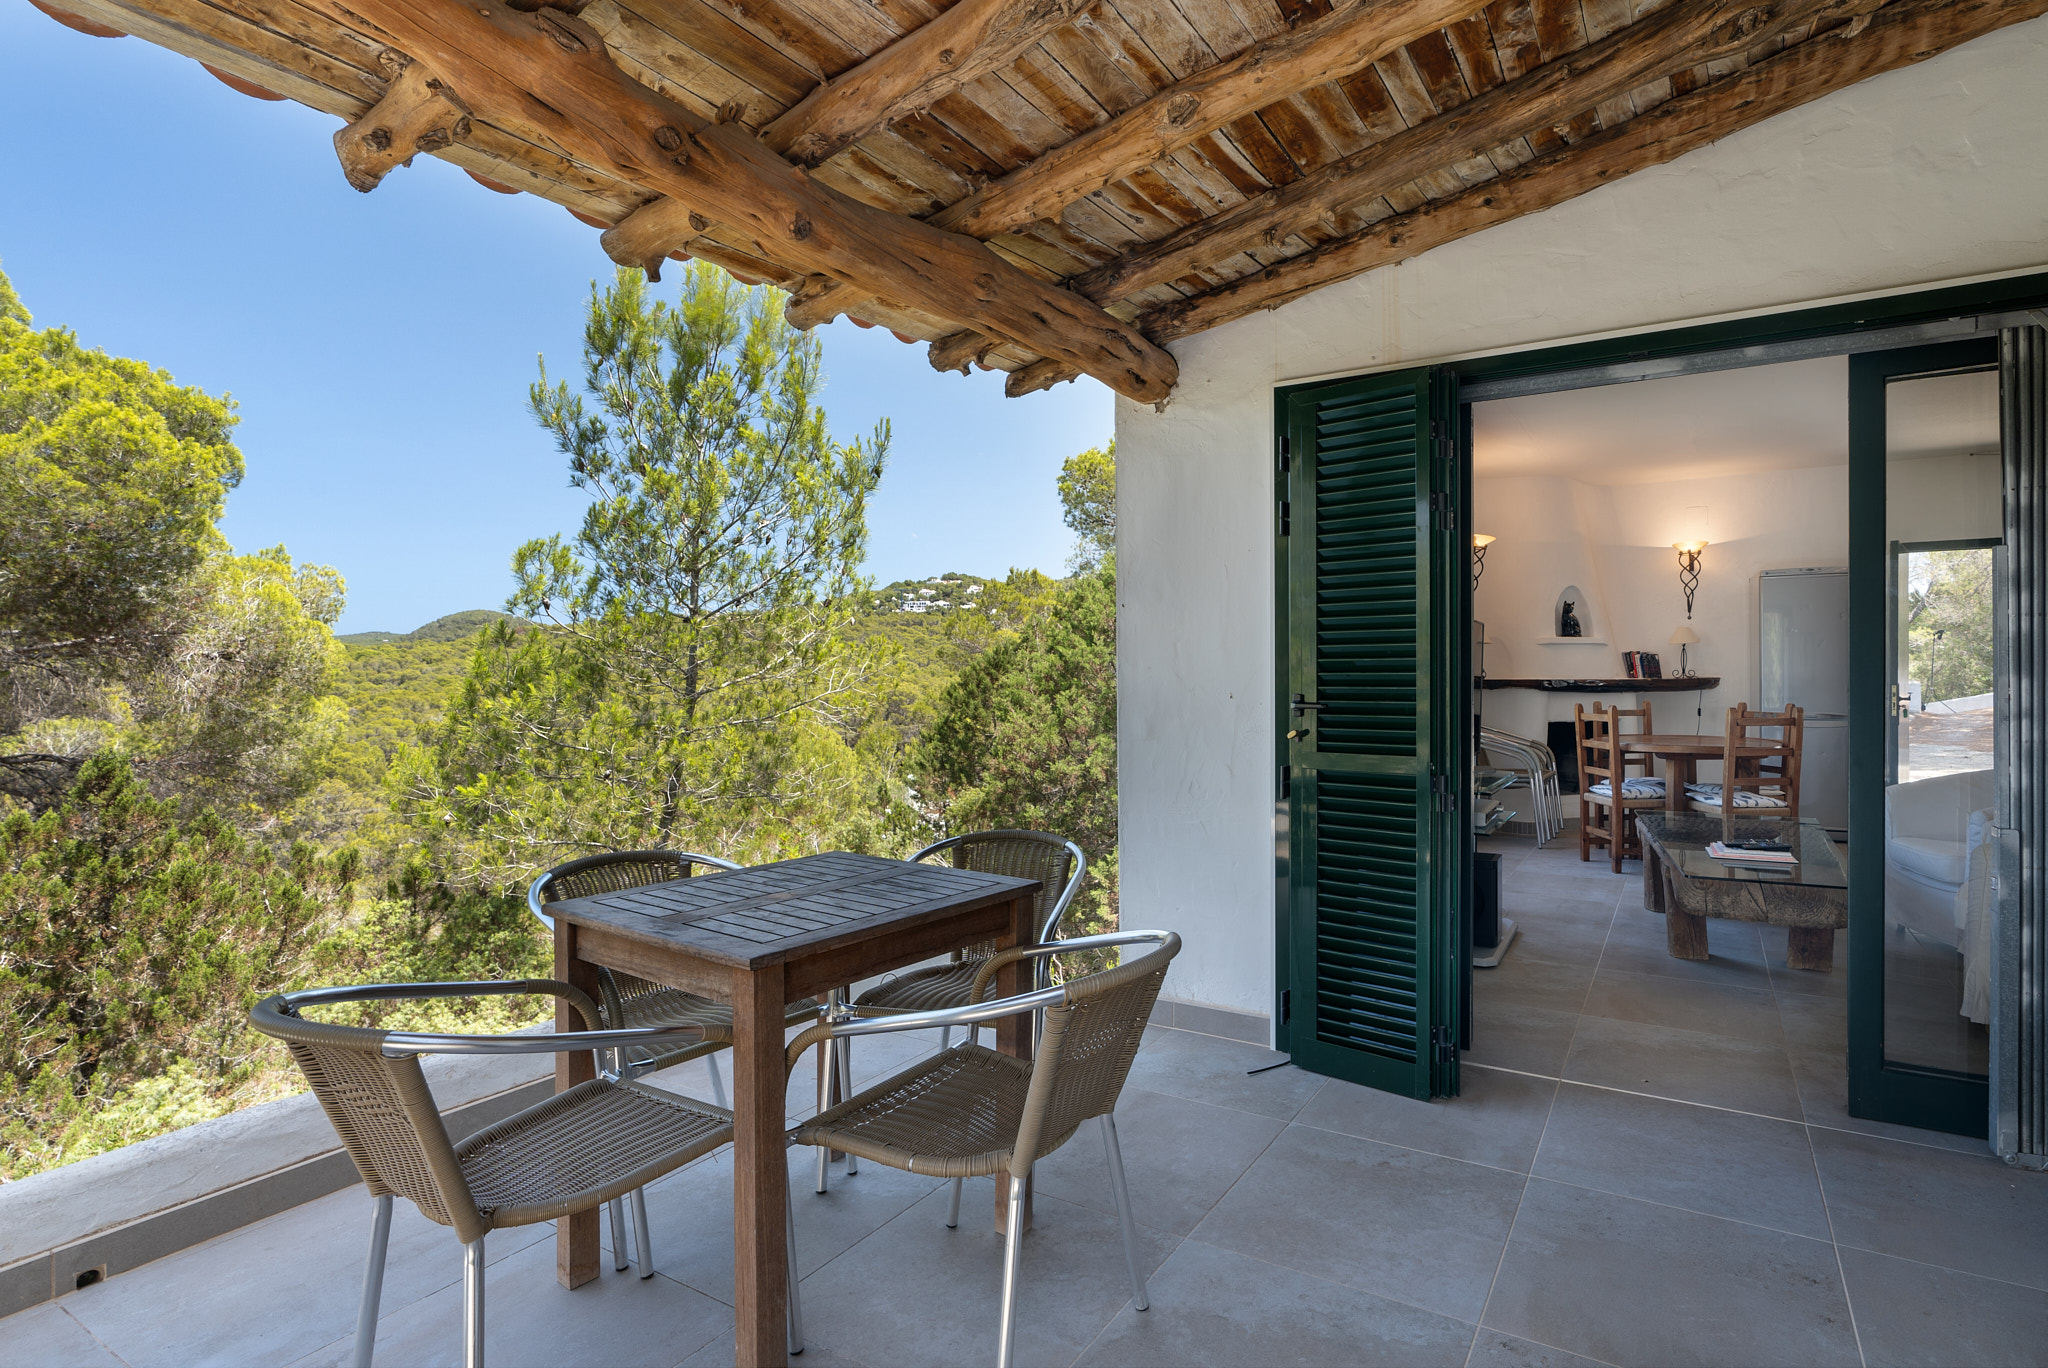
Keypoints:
pixel 1286 518
pixel 1286 1005
pixel 1286 454
pixel 1446 1049
pixel 1286 781
pixel 1446 797
pixel 1442 514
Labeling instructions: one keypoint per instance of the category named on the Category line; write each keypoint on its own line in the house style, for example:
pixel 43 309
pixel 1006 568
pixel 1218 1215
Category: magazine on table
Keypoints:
pixel 1761 853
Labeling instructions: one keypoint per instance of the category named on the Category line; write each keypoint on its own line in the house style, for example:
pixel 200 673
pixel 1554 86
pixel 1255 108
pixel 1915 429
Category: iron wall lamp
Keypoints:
pixel 1689 570
pixel 1480 541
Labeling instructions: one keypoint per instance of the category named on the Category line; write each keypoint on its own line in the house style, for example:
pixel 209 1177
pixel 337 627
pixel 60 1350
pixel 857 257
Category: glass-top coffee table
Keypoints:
pixel 1810 899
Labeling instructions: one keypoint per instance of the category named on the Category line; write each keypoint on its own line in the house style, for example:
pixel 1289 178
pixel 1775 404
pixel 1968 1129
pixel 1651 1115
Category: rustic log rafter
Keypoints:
pixel 417 114
pixel 1683 35
pixel 1346 40
pixel 597 114
pixel 1902 33
pixel 965 43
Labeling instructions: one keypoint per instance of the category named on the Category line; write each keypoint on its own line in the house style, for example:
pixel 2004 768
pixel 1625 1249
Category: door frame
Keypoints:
pixel 1901 319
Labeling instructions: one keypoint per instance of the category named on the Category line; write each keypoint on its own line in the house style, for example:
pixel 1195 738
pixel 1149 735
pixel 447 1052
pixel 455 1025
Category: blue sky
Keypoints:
pixel 380 345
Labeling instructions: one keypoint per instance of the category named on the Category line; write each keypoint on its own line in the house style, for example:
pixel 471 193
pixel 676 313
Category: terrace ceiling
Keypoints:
pixel 1045 187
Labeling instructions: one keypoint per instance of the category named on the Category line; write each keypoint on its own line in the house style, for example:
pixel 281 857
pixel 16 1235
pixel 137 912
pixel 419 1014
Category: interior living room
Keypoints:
pixel 1661 583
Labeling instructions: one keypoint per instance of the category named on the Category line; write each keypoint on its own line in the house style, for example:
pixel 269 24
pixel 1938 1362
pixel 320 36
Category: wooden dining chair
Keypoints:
pixel 1608 789
pixel 1756 786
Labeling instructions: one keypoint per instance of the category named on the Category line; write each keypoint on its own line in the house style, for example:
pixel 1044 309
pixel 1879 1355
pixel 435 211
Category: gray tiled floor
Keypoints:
pixel 1650 1163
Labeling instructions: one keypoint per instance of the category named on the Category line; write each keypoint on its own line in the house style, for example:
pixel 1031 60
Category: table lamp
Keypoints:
pixel 1683 636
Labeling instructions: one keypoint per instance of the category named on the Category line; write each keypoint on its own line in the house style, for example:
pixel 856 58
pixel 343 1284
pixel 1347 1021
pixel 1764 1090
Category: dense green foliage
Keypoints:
pixel 1949 624
pixel 125 620
pixel 1088 505
pixel 691 676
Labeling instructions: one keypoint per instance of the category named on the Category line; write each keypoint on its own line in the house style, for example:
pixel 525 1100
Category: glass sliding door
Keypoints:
pixel 1928 579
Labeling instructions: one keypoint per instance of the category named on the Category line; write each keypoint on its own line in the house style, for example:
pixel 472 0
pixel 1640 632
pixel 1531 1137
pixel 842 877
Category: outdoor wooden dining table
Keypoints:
pixel 759 938
pixel 1681 753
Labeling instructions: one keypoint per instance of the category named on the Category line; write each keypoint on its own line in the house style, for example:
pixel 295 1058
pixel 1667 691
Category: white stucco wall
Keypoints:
pixel 1929 175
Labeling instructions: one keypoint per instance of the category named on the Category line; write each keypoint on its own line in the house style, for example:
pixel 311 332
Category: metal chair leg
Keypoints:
pixel 1013 1249
pixel 717 1080
pixel 1122 1192
pixel 827 1058
pixel 641 1234
pixel 618 1211
pixel 796 1311
pixel 953 1208
pixel 845 1044
pixel 373 1283
pixel 473 1303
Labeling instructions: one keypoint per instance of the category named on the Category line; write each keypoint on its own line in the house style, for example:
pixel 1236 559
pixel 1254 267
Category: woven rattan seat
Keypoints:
pixel 970 1111
pixel 578 1150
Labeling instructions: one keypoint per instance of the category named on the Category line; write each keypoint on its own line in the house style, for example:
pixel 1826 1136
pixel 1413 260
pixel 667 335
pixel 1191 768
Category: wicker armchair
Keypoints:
pixel 969 1112
pixel 625 1001
pixel 1060 868
pixel 577 1150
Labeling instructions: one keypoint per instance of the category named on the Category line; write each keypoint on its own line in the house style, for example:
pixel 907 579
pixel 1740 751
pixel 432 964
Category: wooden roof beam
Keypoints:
pixel 417 114
pixel 1349 38
pixel 1902 33
pixel 548 74
pixel 927 64
pixel 1684 34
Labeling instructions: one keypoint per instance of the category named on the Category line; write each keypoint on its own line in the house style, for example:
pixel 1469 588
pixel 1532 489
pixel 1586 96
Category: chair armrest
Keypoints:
pixel 285 1007
pixel 1107 940
pixel 890 1022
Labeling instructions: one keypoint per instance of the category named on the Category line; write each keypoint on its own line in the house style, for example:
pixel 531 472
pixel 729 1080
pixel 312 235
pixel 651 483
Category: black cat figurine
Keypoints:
pixel 1568 621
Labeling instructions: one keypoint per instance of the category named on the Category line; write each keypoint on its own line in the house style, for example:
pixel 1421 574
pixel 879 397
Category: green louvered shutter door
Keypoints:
pixel 1372 600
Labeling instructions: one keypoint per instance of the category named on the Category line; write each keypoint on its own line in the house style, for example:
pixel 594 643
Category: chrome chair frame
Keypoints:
pixel 399 1044
pixel 838 1056
pixel 849 1024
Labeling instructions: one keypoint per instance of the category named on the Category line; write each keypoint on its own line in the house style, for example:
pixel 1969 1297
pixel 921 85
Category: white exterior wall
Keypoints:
pixel 1925 176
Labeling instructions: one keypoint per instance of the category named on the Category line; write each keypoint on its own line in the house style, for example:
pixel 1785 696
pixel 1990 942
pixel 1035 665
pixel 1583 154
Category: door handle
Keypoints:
pixel 1302 705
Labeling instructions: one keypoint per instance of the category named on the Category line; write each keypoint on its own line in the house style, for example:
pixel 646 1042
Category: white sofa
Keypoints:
pixel 1939 849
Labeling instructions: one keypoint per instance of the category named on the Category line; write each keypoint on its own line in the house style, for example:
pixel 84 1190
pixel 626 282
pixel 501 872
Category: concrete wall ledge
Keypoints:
pixel 121 1209
pixel 1254 1028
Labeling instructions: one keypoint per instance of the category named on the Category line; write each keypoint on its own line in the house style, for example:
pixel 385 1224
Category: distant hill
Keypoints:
pixel 949 593
pixel 454 627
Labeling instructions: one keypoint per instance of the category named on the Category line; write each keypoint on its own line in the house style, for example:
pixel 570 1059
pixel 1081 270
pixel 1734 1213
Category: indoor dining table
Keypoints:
pixel 758 938
pixel 1681 753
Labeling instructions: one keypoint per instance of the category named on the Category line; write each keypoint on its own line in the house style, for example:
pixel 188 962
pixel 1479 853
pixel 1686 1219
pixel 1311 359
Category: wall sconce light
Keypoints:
pixel 1689 570
pixel 1683 636
pixel 1480 541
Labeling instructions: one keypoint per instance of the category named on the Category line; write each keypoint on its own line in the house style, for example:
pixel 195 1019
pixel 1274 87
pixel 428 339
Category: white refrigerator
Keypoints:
pixel 1804 655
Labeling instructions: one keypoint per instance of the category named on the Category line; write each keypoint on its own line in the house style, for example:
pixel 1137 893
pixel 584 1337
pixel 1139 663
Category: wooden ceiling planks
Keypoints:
pixel 1314 167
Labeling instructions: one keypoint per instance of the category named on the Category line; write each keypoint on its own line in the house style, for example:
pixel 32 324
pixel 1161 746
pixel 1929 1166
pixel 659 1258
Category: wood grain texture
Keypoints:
pixel 760 1174
pixel 1671 39
pixel 417 114
pixel 500 60
pixel 576 1251
pixel 1900 34
pixel 966 42
pixel 1341 42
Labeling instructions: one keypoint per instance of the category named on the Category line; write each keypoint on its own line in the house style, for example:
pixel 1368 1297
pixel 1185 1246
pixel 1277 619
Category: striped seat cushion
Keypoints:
pixel 1744 798
pixel 1630 788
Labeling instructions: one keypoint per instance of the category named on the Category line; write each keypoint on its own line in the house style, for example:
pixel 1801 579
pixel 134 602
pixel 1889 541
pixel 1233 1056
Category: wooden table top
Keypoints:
pixel 1690 743
pixel 751 918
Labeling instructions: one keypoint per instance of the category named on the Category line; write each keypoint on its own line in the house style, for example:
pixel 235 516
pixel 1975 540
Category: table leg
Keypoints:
pixel 575 1236
pixel 1653 879
pixel 760 1170
pixel 1014 1034
pixel 1678 772
pixel 1810 947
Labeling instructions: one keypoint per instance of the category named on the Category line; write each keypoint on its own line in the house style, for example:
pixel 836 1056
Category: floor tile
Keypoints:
pixel 915 1293
pixel 1494 1350
pixel 1179 1158
pixel 1807 982
pixel 1509 1035
pixel 1823 1079
pixel 1690 1066
pixel 1638 944
pixel 1214 1307
pixel 532 1321
pixel 1913 1313
pixel 1629 1282
pixel 277 1289
pixel 1557 939
pixel 1814 1023
pixel 689 1215
pixel 1532 981
pixel 1495 1119
pixel 1401 1224
pixel 1723 1163
pixel 720 1354
pixel 47 1337
pixel 1658 1000
pixel 1962 1211
pixel 1206 1069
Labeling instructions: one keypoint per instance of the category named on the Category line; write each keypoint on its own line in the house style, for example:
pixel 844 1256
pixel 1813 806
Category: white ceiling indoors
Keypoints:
pixel 1732 422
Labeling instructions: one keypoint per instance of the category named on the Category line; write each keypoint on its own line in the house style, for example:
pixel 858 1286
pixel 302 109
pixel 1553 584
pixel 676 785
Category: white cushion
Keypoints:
pixel 1630 788
pixel 1744 798
pixel 1940 862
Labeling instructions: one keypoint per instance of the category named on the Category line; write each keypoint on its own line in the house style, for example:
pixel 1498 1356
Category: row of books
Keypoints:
pixel 1642 664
